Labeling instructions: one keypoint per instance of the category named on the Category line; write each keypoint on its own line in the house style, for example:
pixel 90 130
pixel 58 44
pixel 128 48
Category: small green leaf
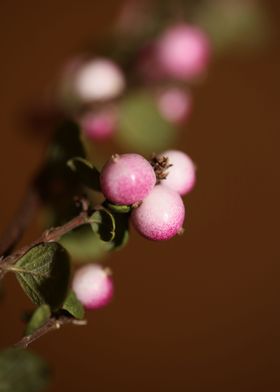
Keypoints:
pixel 73 306
pixel 22 371
pixel 43 273
pixel 123 209
pixel 103 224
pixel 121 231
pixel 86 172
pixel 38 318
pixel 142 128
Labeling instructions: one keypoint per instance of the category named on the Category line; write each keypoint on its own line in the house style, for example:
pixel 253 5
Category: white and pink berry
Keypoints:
pixel 161 214
pixel 181 176
pixel 127 179
pixel 93 286
pixel 183 52
pixel 174 104
pixel 98 80
pixel 99 125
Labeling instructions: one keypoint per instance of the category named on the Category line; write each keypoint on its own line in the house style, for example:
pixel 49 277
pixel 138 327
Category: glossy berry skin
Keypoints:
pixel 183 52
pixel 161 215
pixel 127 179
pixel 92 286
pixel 182 174
pixel 98 80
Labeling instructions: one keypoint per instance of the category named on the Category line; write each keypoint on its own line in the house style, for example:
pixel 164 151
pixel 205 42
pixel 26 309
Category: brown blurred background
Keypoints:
pixel 198 313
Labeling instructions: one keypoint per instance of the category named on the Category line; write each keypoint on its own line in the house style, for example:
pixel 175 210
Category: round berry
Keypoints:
pixel 99 79
pixel 127 179
pixel 92 286
pixel 182 174
pixel 99 125
pixel 183 52
pixel 175 105
pixel 161 215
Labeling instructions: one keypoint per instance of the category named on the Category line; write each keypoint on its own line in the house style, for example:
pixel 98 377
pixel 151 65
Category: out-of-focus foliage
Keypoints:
pixel 84 245
pixel 233 24
pixel 141 127
pixel 22 371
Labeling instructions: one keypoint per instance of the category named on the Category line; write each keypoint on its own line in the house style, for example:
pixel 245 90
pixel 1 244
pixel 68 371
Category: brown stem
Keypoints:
pixel 51 325
pixel 20 221
pixel 50 235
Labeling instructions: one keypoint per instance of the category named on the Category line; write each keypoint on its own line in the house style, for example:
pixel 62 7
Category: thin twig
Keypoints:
pixel 50 235
pixel 51 325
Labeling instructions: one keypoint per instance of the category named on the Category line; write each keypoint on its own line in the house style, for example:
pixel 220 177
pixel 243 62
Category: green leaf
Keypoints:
pixel 103 224
pixel 119 209
pixel 22 371
pixel 43 273
pixel 84 245
pixel 73 306
pixel 141 126
pixel 38 318
pixel 121 231
pixel 86 172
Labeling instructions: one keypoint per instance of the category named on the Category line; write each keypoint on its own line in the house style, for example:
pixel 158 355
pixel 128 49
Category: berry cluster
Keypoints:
pixel 153 188
pixel 168 63
pixel 154 191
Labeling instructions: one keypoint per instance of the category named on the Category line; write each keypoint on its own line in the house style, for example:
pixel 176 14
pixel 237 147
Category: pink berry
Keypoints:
pixel 99 125
pixel 92 286
pixel 127 179
pixel 174 104
pixel 161 215
pixel 183 52
pixel 98 79
pixel 181 175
